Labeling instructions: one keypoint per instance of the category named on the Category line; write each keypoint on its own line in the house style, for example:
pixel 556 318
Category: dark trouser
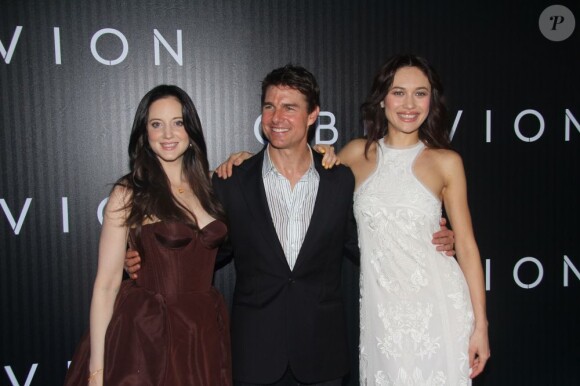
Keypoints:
pixel 288 379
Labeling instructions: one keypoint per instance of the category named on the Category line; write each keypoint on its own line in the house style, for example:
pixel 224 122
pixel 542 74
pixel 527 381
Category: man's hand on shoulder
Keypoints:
pixel 224 171
pixel 330 159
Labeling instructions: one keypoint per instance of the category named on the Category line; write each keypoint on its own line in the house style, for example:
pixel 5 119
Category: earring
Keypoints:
pixel 382 104
pixel 190 145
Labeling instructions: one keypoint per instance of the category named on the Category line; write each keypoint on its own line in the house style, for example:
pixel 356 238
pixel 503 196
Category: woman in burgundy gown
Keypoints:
pixel 170 326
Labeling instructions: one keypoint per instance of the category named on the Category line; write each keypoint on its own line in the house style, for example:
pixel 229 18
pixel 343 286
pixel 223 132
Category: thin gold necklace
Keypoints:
pixel 179 188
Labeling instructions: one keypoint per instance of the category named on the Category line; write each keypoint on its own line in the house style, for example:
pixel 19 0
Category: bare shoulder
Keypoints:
pixel 120 198
pixel 357 144
pixel 121 191
pixel 354 151
pixel 444 158
pixel 447 164
pixel 362 164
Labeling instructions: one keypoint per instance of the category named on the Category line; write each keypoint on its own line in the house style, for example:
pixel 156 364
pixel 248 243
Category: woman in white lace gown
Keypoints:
pixel 423 319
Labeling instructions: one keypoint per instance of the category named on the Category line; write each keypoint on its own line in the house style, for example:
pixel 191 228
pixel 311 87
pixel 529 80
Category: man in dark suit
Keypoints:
pixel 290 224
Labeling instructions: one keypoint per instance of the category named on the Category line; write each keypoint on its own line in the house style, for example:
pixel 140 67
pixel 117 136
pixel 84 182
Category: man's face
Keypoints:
pixel 285 118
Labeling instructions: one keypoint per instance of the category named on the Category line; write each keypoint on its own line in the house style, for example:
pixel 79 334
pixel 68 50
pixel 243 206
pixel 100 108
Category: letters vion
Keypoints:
pixel 158 40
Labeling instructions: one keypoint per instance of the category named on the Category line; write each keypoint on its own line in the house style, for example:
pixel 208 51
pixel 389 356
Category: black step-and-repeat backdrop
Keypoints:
pixel 72 73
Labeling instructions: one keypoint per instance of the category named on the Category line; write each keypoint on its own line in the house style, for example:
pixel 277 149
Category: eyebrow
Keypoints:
pixel 403 88
pixel 159 119
pixel 283 104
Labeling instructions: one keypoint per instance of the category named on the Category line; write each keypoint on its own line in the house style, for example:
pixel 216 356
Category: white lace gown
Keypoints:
pixel 415 311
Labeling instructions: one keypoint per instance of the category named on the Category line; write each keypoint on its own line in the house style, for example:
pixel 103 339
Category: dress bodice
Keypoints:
pixel 168 249
pixel 394 193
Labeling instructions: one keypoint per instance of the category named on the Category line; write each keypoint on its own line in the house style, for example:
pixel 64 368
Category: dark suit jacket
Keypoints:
pixel 282 317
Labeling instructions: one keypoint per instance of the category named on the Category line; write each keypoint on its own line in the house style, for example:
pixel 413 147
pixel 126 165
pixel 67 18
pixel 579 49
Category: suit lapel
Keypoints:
pixel 254 194
pixel 322 206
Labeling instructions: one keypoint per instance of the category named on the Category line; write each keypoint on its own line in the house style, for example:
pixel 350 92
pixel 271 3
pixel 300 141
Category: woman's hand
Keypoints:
pixel 225 169
pixel 479 351
pixel 330 158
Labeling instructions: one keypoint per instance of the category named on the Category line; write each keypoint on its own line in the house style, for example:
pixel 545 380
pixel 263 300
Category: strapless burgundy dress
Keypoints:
pixel 170 326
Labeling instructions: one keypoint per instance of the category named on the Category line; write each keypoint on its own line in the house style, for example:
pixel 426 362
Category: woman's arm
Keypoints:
pixel 112 246
pixel 455 200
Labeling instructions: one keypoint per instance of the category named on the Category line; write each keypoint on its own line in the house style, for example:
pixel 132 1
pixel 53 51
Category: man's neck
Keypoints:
pixel 291 163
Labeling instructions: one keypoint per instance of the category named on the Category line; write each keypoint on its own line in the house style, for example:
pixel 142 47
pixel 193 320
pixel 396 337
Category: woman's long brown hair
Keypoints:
pixel 434 132
pixel 149 187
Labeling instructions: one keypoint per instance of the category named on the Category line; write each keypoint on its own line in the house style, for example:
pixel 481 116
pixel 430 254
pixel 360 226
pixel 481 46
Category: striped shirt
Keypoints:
pixel 290 209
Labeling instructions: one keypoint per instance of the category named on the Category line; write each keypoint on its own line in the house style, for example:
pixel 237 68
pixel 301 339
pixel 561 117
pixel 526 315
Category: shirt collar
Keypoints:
pixel 269 167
